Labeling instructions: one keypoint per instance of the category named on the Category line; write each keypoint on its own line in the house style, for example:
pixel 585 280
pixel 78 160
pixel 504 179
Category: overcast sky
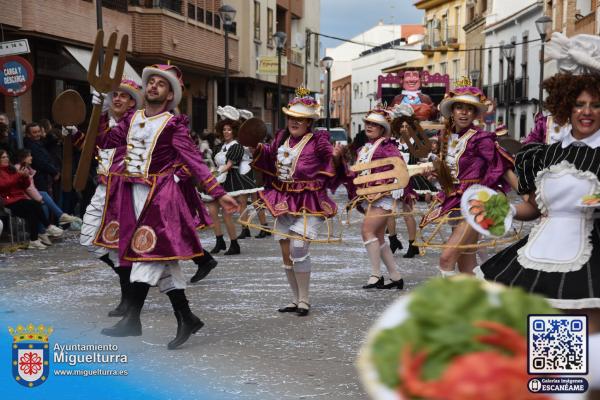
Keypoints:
pixel 348 18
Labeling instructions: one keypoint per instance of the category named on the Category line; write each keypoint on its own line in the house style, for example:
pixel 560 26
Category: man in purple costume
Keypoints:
pixel 156 225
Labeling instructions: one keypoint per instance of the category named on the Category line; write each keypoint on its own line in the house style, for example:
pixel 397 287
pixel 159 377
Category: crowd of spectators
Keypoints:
pixel 30 182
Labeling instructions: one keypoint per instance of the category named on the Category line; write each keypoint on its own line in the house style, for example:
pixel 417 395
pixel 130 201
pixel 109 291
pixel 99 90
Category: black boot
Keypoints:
pixel 263 233
pixel 245 233
pixel 187 322
pixel 220 245
pixel 234 248
pixel 107 260
pixel 205 264
pixel 395 244
pixel 124 274
pixel 412 250
pixel 130 325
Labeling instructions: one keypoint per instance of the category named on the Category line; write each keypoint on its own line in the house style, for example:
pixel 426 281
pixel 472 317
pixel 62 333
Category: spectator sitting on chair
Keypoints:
pixel 13 184
pixel 42 163
pixel 48 205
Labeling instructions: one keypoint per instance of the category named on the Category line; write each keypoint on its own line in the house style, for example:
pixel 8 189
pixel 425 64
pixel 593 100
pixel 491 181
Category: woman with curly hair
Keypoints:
pixel 228 158
pixel 560 257
pixel 405 123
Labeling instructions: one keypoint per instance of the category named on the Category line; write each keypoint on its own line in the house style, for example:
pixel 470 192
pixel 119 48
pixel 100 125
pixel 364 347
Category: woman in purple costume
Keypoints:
pixel 298 167
pixel 379 206
pixel 469 155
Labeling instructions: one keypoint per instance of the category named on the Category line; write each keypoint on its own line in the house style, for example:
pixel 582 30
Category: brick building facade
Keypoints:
pixel 187 33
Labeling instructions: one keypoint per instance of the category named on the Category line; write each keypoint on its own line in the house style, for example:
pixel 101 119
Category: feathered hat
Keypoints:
pixel 303 105
pixel 464 92
pixel 131 88
pixel 381 116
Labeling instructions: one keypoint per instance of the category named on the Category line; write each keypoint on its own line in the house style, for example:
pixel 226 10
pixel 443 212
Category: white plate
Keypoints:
pixel 580 204
pixel 393 316
pixel 471 194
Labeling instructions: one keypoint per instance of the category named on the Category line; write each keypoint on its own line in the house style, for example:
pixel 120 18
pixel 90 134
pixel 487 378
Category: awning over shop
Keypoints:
pixel 83 57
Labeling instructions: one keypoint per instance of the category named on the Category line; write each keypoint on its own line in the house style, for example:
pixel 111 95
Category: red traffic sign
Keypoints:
pixel 16 76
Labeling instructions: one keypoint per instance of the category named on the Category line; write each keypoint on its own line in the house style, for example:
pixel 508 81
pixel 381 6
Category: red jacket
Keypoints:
pixel 12 186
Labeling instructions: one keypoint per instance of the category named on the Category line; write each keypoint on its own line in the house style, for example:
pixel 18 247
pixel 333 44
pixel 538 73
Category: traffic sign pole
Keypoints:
pixel 18 124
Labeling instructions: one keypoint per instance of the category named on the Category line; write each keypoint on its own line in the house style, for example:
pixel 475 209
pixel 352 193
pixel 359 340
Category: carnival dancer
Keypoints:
pixel 560 257
pixel 417 185
pixel 119 105
pixel 468 155
pixel 248 171
pixel 298 167
pixel 237 183
pixel 378 207
pixel 155 223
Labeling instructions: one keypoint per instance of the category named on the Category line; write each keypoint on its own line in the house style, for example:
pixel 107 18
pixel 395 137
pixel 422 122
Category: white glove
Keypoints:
pixel 69 130
pixel 97 98
pixel 100 98
pixel 397 194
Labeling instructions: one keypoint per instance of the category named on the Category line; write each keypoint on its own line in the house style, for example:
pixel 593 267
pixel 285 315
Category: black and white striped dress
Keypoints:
pixel 419 183
pixel 570 284
pixel 235 183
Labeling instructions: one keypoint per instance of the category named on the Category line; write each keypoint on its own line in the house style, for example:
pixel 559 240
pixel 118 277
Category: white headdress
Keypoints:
pixel 576 55
pixel 246 114
pixel 228 112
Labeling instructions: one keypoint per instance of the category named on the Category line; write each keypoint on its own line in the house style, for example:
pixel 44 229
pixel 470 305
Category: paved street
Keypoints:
pixel 246 349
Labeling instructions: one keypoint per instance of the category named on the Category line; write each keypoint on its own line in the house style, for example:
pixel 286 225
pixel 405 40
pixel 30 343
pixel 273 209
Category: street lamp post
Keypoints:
pixel 508 50
pixel 280 38
pixel 542 24
pixel 371 96
pixel 227 14
pixel 327 62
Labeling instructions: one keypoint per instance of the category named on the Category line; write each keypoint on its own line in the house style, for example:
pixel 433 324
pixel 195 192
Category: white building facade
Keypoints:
pixel 514 85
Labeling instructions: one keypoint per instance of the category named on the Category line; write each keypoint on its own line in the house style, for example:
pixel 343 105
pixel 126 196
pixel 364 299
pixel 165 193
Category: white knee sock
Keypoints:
pixel 388 259
pixel 448 274
pixel 303 279
pixel 372 246
pixel 291 277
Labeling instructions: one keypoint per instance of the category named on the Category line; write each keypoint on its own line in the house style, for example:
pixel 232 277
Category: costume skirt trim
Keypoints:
pixel 574 289
pixel 238 183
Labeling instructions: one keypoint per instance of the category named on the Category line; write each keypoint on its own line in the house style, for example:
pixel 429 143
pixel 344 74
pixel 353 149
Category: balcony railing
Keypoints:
pixel 172 5
pixel 296 57
pixel 119 5
pixel 521 89
pixel 449 35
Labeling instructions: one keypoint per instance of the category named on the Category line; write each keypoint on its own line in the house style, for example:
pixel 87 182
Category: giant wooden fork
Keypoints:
pixel 103 83
pixel 398 172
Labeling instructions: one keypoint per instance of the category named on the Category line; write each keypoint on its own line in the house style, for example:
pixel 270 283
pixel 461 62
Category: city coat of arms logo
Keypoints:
pixel 30 354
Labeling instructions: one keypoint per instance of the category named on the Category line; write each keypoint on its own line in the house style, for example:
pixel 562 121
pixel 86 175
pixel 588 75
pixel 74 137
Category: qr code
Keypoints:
pixel 558 344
